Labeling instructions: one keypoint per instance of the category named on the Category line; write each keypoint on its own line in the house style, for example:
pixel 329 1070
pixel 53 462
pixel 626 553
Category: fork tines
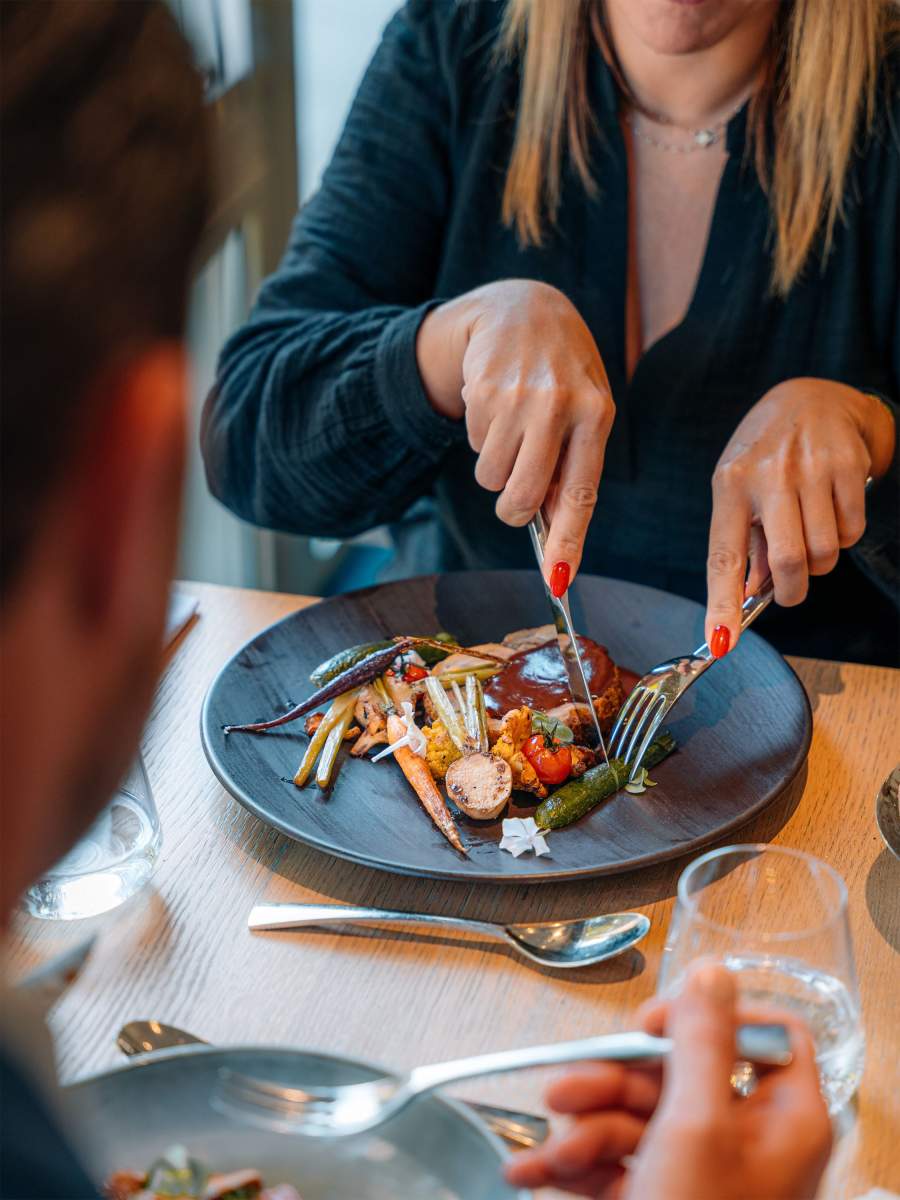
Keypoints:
pixel 637 724
pixel 243 1094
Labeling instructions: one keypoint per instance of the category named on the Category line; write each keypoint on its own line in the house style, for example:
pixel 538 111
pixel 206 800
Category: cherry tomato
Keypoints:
pixel 551 761
pixel 414 673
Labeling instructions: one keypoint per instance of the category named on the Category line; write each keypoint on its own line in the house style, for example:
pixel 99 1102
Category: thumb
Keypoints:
pixel 702 1027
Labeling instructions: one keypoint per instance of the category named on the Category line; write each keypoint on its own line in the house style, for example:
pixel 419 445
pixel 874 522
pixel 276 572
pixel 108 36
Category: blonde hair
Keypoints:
pixel 819 90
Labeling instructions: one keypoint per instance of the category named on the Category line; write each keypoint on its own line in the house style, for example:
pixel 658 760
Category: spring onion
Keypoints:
pixel 341 705
pixel 446 712
pixel 332 746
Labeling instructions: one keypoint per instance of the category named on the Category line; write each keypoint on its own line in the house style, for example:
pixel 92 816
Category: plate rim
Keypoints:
pixel 566 876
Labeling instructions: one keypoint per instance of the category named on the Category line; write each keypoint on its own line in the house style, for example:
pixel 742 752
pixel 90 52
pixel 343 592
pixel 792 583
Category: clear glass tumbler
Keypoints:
pixel 778 919
pixel 113 860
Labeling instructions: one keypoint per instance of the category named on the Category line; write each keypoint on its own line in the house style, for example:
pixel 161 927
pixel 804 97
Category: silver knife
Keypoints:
pixel 565 633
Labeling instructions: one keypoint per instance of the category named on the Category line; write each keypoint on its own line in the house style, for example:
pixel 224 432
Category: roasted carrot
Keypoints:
pixel 420 779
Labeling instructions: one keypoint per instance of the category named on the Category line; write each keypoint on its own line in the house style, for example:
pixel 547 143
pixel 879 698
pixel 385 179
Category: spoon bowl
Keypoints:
pixel 579 943
pixel 560 944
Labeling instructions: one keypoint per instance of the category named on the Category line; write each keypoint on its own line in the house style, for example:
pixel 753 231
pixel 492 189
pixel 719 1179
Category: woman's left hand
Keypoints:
pixel 789 492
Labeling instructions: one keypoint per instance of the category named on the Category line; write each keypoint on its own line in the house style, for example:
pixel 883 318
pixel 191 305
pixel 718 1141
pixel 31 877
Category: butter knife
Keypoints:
pixel 565 633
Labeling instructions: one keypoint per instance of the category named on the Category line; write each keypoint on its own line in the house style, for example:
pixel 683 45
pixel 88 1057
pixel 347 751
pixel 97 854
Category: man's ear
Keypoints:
pixel 126 494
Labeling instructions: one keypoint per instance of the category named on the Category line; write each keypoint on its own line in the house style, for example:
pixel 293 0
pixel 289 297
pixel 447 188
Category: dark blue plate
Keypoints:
pixel 743 731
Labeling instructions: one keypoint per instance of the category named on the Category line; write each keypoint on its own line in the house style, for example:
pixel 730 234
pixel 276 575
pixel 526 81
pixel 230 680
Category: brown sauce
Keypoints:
pixel 538 678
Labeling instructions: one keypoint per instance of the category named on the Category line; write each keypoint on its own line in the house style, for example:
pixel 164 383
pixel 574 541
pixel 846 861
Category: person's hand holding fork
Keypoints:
pixel 682 1133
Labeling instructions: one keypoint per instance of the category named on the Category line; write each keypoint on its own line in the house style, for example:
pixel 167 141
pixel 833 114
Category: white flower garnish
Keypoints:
pixel 414 737
pixel 522 834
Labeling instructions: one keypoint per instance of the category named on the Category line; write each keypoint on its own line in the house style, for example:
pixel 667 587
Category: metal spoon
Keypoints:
pixel 577 943
pixel 519 1130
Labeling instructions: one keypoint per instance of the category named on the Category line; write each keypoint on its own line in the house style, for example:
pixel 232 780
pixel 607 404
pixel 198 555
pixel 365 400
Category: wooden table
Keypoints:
pixel 181 952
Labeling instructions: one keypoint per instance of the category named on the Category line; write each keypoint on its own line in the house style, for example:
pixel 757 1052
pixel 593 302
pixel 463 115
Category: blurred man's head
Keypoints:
pixel 105 189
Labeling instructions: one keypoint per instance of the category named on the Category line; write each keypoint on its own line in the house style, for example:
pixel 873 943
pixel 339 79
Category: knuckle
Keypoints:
pixel 852 530
pixel 521 497
pixel 517 506
pixel 599 407
pixel 724 561
pixel 514 517
pixel 579 495
pixel 850 458
pixel 720 612
pixel 557 401
pixel 730 476
pixel 568 546
pixel 476 394
pixel 787 558
pixel 489 476
pixel 823 556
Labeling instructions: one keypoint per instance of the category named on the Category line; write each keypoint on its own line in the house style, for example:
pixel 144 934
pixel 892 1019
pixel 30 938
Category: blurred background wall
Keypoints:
pixel 280 77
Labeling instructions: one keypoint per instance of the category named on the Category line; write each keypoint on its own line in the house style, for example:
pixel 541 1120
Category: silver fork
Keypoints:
pixel 654 696
pixel 357 1107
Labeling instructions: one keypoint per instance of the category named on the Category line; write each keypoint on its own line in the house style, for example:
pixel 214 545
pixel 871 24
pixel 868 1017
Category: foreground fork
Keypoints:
pixel 654 696
pixel 357 1107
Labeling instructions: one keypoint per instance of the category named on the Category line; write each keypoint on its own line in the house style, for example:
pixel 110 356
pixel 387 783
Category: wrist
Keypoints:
pixel 440 347
pixel 880 432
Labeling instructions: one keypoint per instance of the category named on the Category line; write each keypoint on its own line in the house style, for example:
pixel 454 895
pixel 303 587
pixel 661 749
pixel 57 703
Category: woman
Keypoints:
pixel 642 256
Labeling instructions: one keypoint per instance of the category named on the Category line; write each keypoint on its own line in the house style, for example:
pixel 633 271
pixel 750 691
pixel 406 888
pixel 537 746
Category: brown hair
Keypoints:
pixel 820 88
pixel 106 186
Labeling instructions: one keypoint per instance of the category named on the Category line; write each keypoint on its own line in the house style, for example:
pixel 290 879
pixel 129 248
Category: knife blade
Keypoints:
pixel 565 634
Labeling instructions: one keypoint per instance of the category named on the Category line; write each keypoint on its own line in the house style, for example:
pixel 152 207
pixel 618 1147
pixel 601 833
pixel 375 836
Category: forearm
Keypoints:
pixel 318 424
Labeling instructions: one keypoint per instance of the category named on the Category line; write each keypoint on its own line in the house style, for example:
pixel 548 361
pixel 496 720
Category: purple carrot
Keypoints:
pixel 364 671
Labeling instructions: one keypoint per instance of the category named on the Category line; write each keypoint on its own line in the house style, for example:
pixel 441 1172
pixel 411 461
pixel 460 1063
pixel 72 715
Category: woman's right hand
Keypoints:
pixel 518 362
pixel 683 1134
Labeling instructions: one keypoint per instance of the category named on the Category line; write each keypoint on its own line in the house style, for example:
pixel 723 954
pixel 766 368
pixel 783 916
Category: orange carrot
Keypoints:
pixel 420 778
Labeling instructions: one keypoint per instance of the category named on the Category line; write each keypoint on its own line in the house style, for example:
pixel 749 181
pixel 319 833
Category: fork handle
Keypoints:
pixel 614 1047
pixel 755 604
pixel 763 1044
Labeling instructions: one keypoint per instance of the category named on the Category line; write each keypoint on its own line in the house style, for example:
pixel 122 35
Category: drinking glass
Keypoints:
pixel 778 919
pixel 113 860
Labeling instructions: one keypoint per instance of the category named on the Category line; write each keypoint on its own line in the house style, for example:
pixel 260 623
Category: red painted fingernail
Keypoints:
pixel 720 641
pixel 559 579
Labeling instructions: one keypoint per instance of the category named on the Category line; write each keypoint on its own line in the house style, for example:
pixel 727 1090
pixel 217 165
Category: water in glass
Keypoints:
pixel 113 860
pixel 826 1006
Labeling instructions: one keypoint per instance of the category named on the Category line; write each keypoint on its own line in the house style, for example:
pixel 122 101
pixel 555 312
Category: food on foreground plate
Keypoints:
pixel 486 721
pixel 177 1176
